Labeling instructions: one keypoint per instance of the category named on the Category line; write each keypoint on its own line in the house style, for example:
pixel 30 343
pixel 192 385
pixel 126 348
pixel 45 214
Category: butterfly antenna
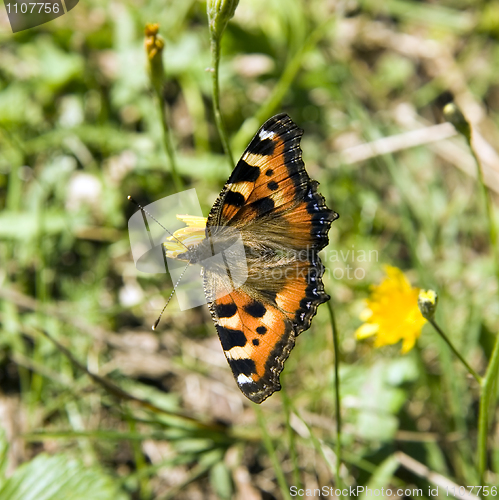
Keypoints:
pixel 156 323
pixel 144 212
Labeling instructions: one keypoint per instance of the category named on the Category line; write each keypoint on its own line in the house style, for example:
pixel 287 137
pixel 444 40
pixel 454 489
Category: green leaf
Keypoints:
pixel 56 67
pixel 59 478
pixel 381 397
pixel 4 448
pixel 220 481
pixel 22 226
pixel 17 107
pixel 381 477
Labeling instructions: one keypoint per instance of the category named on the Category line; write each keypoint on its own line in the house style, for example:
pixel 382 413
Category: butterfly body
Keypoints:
pixel 273 206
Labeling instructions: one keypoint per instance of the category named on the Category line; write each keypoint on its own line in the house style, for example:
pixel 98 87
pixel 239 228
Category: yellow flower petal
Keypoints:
pixel 392 313
pixel 407 344
pixel 365 314
pixel 193 220
pixel 185 237
pixel 366 330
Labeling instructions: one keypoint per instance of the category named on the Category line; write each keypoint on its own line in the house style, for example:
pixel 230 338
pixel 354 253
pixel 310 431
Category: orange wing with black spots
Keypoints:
pixel 284 223
pixel 256 339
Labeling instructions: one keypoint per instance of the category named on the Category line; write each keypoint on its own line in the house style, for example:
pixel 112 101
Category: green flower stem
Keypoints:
pixel 291 436
pixel 455 351
pixel 454 115
pixel 337 390
pixel 140 462
pixel 154 46
pixel 167 140
pixel 215 64
pixel 486 396
pixel 267 441
pixel 489 208
pixel 488 382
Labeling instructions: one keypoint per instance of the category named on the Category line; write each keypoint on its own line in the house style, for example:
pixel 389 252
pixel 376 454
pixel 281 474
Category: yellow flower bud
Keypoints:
pixel 154 45
pixel 427 303
pixel 455 116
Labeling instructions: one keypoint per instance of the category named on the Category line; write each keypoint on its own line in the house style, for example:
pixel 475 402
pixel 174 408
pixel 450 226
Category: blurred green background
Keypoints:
pixel 80 130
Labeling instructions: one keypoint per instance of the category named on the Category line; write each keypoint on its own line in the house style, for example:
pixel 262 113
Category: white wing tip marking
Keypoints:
pixel 264 134
pixel 244 379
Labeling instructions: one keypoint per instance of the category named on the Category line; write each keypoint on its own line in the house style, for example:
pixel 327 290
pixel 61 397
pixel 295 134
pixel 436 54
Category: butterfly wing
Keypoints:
pixel 256 338
pixel 284 223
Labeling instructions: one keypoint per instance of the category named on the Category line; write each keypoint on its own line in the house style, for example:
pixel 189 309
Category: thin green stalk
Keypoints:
pixel 220 12
pixel 320 447
pixel 337 390
pixel 291 436
pixel 455 351
pixel 488 382
pixel 456 117
pixel 281 480
pixel 215 64
pixel 42 296
pixel 202 468
pixel 489 208
pixel 167 140
pixel 140 463
pixel 154 45
pixel 486 396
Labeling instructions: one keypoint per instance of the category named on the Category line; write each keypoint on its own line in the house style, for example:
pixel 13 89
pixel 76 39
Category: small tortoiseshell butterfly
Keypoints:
pixel 283 221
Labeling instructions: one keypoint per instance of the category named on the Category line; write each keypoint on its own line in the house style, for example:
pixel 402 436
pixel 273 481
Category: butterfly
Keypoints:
pixel 283 222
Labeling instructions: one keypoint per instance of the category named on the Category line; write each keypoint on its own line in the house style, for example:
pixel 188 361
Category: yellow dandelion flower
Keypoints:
pixel 184 237
pixel 392 313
